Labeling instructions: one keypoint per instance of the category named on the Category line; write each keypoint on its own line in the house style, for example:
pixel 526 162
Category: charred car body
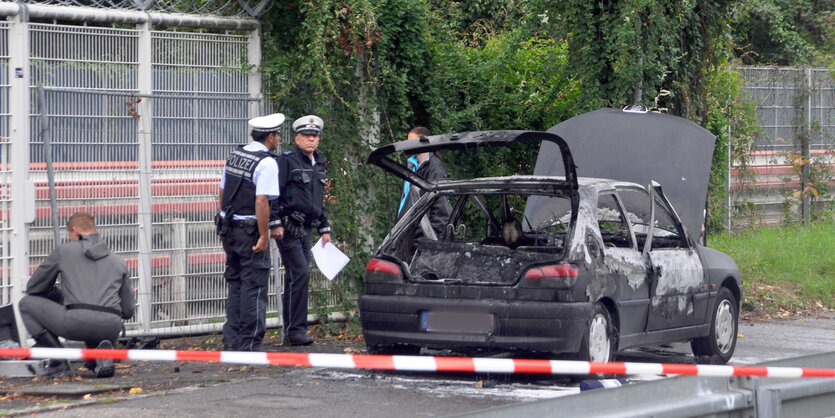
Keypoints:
pixel 553 262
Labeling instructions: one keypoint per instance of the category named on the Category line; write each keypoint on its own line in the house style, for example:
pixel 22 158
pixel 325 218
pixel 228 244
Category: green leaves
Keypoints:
pixel 373 69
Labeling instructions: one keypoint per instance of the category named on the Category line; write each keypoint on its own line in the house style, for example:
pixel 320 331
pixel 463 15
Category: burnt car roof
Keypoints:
pixel 532 182
pixel 470 140
pixel 639 148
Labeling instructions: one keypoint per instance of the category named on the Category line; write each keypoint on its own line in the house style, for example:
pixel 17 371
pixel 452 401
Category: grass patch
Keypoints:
pixel 788 270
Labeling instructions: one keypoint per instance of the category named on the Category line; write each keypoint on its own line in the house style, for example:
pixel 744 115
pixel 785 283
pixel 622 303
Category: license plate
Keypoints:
pixel 461 322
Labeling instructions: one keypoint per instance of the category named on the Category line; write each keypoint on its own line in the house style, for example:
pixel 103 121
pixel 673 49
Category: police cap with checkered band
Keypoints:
pixel 310 125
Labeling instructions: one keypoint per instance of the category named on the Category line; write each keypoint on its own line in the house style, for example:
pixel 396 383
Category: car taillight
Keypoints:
pixel 554 276
pixel 546 272
pixel 382 271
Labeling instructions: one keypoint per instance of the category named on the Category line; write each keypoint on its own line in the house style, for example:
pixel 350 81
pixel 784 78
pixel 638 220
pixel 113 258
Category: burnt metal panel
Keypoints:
pixel 639 147
pixel 468 140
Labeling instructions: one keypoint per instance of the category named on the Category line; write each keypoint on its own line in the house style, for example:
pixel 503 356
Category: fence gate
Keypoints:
pixel 134 125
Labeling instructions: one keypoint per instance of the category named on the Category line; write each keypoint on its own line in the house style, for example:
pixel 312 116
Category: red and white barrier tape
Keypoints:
pixel 417 363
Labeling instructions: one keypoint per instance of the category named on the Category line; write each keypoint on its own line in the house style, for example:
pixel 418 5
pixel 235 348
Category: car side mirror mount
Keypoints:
pixel 594 249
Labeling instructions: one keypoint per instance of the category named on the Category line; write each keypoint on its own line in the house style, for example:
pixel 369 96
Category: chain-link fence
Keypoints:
pixel 796 110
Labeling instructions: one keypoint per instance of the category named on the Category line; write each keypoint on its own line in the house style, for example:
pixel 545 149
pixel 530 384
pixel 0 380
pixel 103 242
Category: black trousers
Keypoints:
pixel 247 277
pixel 295 256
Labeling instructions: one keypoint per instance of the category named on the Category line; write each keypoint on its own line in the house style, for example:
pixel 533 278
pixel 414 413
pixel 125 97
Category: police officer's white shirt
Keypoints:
pixel 265 178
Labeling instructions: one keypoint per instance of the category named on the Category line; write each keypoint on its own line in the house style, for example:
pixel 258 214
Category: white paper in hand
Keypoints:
pixel 329 260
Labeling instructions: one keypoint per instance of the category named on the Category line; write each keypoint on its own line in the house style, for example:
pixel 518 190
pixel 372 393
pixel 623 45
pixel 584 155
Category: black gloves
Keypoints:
pixel 294 224
pixel 297 216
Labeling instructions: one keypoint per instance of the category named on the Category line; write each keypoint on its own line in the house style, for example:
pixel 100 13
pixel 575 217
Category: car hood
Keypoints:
pixel 639 148
pixel 559 151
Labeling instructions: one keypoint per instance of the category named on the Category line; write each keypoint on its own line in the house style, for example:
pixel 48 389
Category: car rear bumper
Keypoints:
pixel 529 326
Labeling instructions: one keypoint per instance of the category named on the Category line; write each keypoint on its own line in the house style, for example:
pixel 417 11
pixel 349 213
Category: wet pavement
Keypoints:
pixel 214 389
pixel 79 386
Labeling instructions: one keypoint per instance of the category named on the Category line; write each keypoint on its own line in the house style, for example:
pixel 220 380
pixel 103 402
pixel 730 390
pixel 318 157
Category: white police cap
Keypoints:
pixel 269 123
pixel 310 124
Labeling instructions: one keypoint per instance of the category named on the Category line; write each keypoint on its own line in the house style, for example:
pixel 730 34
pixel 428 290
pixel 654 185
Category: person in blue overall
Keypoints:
pixel 299 208
pixel 248 184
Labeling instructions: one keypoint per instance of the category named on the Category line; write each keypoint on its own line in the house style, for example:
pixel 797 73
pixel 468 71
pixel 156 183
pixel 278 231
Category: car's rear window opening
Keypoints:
pixel 488 238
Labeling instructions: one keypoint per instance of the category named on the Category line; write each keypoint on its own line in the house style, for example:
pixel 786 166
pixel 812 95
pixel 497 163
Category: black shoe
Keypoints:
pixel 47 339
pixel 105 367
pixel 300 339
pixel 53 368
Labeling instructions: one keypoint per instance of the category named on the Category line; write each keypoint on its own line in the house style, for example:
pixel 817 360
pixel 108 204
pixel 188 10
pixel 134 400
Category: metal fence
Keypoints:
pixel 790 100
pixel 791 104
pixel 135 124
pixel 249 8
pixel 6 282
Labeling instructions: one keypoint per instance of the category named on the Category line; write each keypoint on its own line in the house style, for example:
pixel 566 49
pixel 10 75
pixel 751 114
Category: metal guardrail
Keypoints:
pixel 689 396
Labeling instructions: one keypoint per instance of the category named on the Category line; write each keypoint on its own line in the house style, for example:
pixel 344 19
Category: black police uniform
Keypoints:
pixel 247 272
pixel 298 208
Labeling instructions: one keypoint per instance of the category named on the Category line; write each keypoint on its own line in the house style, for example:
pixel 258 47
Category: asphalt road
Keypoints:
pixel 345 393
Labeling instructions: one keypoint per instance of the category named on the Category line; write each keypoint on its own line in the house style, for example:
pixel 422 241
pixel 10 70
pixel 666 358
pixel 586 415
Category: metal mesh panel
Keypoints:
pixel 94 141
pixel 780 95
pixel 790 102
pixel 5 173
pixel 192 138
pixel 94 162
pixel 200 119
pixel 215 7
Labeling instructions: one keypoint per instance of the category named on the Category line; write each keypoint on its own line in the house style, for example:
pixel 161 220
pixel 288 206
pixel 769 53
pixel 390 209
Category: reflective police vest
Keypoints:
pixel 240 170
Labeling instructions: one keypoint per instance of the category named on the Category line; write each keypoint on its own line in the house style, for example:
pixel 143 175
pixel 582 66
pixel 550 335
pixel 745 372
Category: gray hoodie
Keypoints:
pixel 90 274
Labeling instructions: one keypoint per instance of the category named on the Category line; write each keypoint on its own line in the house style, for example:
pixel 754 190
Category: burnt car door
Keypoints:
pixel 678 281
pixel 622 267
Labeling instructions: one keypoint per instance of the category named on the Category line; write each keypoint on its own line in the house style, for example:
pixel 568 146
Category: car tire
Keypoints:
pixel 719 345
pixel 598 343
pixel 398 349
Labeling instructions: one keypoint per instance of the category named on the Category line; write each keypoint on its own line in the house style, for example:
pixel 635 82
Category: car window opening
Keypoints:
pixel 666 232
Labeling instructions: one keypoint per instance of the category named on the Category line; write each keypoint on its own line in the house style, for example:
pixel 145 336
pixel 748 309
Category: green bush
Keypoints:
pixel 372 69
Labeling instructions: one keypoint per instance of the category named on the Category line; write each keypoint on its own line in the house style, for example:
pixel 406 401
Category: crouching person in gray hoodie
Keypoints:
pixel 90 302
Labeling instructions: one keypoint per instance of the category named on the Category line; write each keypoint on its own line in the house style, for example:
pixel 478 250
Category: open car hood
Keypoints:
pixel 640 147
pixel 471 140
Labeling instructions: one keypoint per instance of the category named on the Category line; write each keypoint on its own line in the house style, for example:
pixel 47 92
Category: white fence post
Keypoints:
pixel 145 79
pixel 806 207
pixel 179 270
pixel 23 190
pixel 253 51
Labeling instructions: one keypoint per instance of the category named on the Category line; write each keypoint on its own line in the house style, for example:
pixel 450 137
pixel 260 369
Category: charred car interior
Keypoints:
pixel 486 231
pixel 557 264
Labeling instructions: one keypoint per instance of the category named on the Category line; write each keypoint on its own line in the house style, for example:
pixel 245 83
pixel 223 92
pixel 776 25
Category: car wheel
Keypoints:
pixel 720 343
pixel 598 341
pixel 398 349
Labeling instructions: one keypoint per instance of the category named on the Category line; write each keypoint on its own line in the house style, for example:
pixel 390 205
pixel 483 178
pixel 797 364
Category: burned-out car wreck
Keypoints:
pixel 553 262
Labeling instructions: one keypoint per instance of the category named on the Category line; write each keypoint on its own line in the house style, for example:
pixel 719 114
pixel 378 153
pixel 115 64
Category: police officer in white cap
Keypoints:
pixel 299 208
pixel 248 184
